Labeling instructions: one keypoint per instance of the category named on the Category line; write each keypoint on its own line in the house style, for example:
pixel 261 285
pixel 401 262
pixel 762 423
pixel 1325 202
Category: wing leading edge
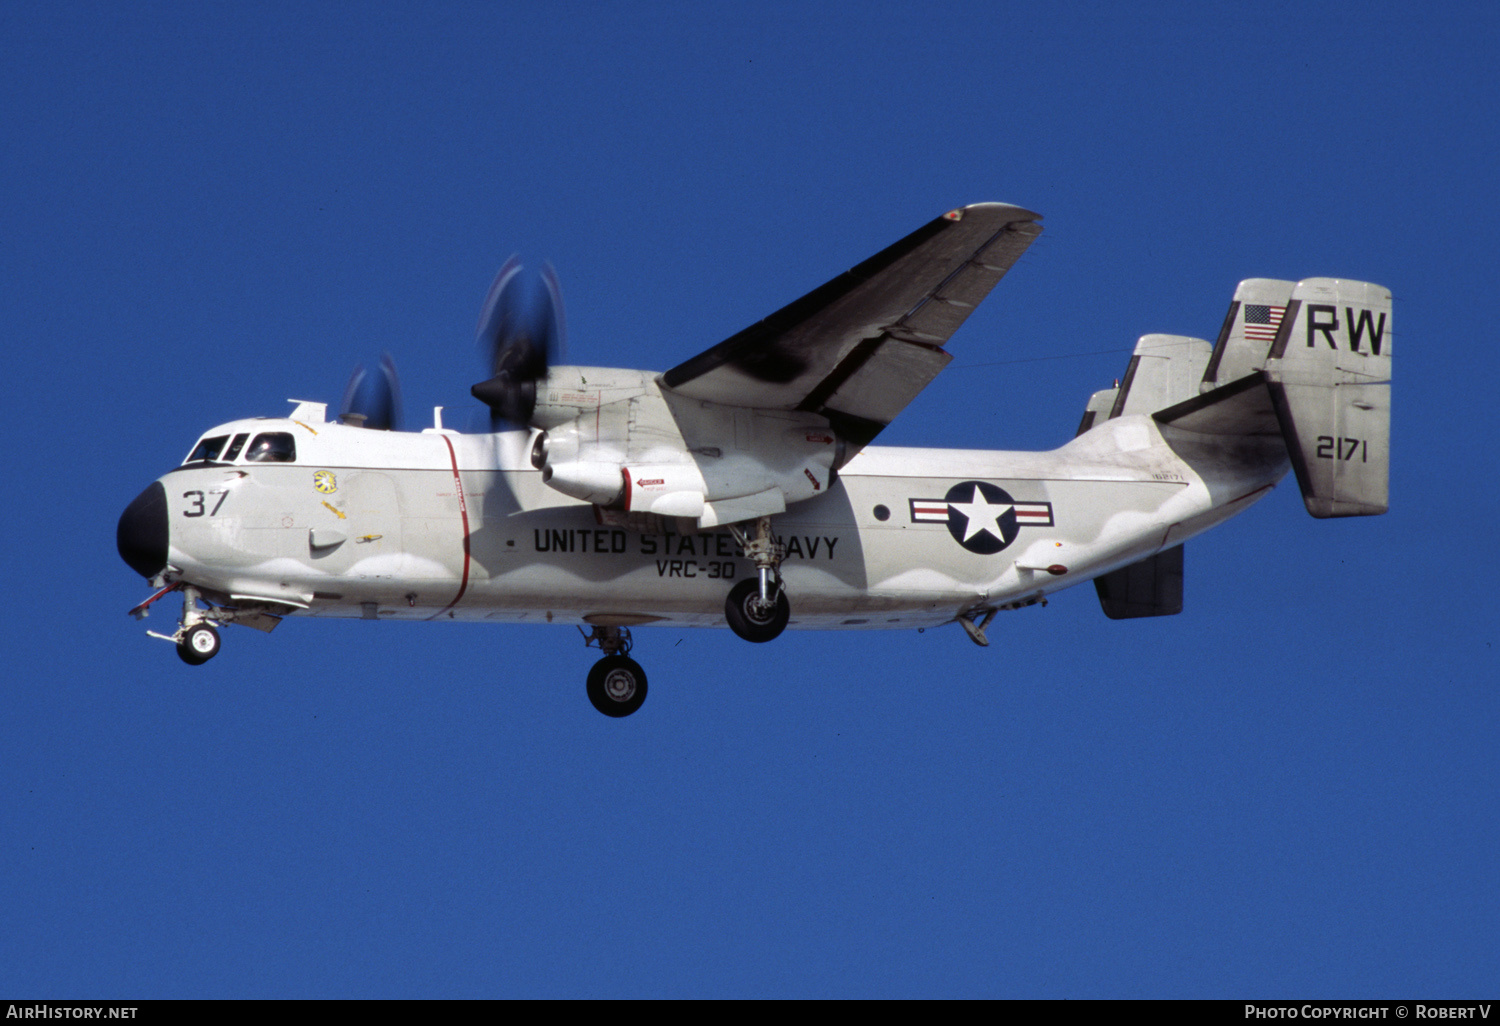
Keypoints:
pixel 859 348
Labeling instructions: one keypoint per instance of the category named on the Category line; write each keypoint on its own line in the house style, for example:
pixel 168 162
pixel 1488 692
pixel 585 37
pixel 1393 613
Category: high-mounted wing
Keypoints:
pixel 861 347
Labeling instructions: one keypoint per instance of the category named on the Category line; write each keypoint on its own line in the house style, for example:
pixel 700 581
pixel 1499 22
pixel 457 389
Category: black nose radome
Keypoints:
pixel 142 534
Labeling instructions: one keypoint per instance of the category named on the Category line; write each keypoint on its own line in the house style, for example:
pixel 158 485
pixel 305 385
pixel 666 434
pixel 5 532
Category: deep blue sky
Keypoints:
pixel 1289 790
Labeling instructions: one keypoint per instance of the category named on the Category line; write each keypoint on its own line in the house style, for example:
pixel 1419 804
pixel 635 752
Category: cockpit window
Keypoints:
pixel 207 451
pixel 234 448
pixel 272 447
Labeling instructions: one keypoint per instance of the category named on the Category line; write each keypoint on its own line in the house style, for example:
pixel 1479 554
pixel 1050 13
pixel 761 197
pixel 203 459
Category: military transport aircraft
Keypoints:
pixel 741 487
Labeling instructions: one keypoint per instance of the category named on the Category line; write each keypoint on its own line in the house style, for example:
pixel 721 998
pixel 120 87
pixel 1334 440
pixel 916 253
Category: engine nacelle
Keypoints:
pixel 599 483
pixel 618 440
pixel 573 393
pixel 668 490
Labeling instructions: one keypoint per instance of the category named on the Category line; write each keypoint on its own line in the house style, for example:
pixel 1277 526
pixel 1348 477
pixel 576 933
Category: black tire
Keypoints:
pixel 617 685
pixel 746 617
pixel 199 645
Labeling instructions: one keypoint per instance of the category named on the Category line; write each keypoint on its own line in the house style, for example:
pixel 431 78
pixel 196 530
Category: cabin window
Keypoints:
pixel 234 448
pixel 272 447
pixel 207 451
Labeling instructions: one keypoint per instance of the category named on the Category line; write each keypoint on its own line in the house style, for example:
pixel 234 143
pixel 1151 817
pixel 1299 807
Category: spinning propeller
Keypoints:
pixel 372 399
pixel 521 329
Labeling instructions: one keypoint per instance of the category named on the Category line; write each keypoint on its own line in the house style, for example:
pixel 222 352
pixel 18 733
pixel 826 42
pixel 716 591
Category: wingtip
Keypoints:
pixel 1009 211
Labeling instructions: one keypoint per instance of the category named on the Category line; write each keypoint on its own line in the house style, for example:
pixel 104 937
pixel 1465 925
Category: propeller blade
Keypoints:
pixel 521 331
pixel 372 399
pixel 494 312
pixel 558 339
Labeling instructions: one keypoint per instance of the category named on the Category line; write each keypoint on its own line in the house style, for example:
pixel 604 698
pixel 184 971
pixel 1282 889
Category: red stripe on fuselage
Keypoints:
pixel 463 513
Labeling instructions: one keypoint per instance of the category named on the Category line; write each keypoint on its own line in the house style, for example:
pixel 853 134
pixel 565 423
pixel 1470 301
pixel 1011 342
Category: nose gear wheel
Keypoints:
pixel 199 644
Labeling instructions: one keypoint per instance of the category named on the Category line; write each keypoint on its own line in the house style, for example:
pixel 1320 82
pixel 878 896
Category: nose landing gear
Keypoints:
pixel 196 640
pixel 199 644
pixel 196 637
pixel 616 684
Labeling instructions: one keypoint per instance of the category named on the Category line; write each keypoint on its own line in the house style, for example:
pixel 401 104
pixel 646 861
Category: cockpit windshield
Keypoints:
pixel 235 447
pixel 207 451
pixel 272 447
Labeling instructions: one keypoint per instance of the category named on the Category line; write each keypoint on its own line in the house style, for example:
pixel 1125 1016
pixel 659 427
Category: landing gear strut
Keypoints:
pixel 197 641
pixel 758 610
pixel 197 636
pixel 616 684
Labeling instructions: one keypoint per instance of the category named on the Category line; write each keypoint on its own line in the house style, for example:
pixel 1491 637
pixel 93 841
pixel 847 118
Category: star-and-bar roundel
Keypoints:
pixel 981 517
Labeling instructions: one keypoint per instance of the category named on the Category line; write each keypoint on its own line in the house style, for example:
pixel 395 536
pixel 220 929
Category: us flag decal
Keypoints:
pixel 1261 321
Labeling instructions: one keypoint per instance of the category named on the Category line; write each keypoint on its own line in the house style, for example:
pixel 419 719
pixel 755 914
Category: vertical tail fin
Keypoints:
pixel 1100 403
pixel 1250 327
pixel 1310 361
pixel 1329 375
pixel 1164 370
pixel 1152 587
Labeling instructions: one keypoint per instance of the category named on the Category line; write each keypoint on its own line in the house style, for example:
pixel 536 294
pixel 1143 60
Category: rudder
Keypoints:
pixel 1329 375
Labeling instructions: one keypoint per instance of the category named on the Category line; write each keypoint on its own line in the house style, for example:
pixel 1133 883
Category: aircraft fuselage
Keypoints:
pixel 442 525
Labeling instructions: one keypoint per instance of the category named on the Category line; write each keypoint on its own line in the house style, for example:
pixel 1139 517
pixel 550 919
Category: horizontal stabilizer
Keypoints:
pixel 1242 408
pixel 1152 587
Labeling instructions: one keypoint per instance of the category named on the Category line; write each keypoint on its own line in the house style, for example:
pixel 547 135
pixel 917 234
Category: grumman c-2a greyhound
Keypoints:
pixel 740 487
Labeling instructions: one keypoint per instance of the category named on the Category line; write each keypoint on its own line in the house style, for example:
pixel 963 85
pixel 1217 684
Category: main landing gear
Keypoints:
pixel 757 609
pixel 617 684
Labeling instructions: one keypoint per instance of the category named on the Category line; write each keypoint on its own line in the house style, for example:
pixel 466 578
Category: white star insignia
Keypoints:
pixel 981 515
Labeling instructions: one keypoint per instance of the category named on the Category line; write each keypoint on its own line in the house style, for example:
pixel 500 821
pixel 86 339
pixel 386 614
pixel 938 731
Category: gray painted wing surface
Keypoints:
pixel 861 347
